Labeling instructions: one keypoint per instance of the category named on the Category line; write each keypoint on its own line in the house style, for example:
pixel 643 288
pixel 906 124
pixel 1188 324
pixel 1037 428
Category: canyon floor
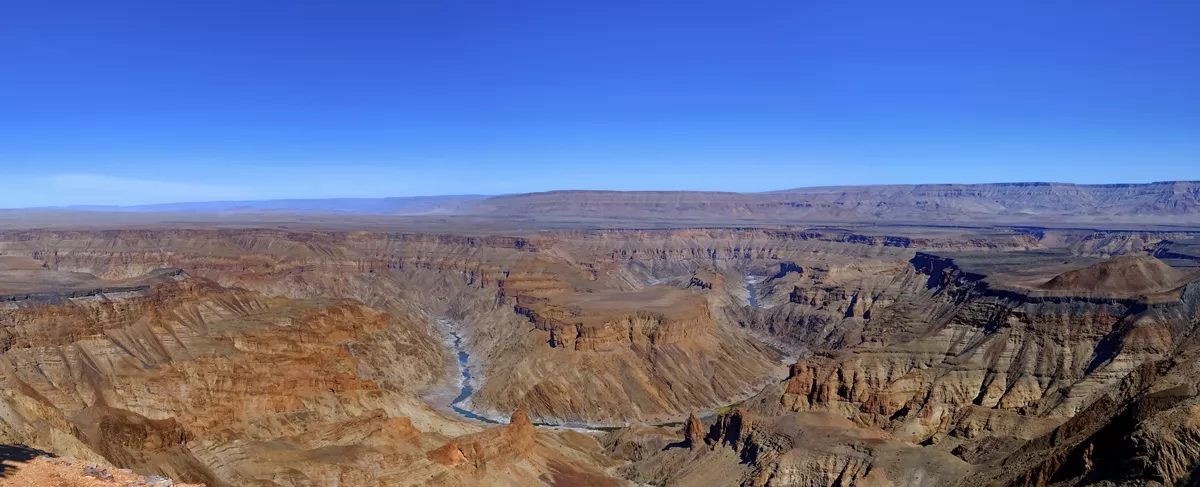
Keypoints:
pixel 366 350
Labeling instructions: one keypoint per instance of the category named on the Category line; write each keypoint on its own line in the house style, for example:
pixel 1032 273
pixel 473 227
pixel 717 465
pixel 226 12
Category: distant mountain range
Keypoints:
pixel 413 205
pixel 1164 203
pixel 1015 203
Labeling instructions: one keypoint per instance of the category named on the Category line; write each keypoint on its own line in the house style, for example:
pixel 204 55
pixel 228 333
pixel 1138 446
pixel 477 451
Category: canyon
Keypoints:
pixel 658 339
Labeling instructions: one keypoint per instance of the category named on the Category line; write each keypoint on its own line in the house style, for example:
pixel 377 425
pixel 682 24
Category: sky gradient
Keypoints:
pixel 143 102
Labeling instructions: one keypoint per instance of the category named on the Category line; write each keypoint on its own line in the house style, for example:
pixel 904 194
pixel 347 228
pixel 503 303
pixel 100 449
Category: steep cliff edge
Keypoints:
pixel 607 357
pixel 964 357
pixel 1142 431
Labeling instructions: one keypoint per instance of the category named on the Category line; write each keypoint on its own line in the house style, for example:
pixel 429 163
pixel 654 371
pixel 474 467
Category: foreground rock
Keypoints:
pixel 70 472
pixel 742 448
pixel 512 441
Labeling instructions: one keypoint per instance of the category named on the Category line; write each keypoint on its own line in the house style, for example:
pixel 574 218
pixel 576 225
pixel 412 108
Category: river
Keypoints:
pixel 752 289
pixel 465 388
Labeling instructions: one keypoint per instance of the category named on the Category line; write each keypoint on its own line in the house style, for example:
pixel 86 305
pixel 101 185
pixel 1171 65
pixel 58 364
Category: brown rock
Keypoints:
pixel 693 432
pixel 67 472
pixel 449 454
pixel 513 440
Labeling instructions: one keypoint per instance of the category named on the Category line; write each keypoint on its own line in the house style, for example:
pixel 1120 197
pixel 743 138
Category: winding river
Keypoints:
pixel 465 389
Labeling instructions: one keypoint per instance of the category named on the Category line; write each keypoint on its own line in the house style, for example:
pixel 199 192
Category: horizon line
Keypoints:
pixel 101 207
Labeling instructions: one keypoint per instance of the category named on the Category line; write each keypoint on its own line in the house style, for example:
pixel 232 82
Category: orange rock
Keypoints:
pixel 693 432
pixel 449 454
pixel 510 441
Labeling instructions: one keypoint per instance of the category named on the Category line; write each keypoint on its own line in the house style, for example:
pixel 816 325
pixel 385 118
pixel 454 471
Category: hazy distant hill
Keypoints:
pixel 414 205
pixel 1162 203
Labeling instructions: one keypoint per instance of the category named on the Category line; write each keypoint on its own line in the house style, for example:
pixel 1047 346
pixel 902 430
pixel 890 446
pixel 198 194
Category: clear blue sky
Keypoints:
pixel 121 102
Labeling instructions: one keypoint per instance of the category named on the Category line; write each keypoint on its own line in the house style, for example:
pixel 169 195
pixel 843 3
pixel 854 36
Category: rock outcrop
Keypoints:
pixel 54 472
pixel 508 442
pixel 742 448
pixel 693 432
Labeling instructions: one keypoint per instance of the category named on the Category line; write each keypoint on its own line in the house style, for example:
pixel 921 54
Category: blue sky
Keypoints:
pixel 126 102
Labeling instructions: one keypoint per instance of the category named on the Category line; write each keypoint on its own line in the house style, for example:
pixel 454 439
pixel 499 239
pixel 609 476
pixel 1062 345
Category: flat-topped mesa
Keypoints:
pixel 1182 253
pixel 511 441
pixel 651 354
pixel 52 287
pixel 1056 276
pixel 640 329
pixel 605 321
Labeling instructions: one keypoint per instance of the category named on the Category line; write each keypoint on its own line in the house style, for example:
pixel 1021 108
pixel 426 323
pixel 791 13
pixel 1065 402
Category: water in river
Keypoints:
pixel 465 390
pixel 752 288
